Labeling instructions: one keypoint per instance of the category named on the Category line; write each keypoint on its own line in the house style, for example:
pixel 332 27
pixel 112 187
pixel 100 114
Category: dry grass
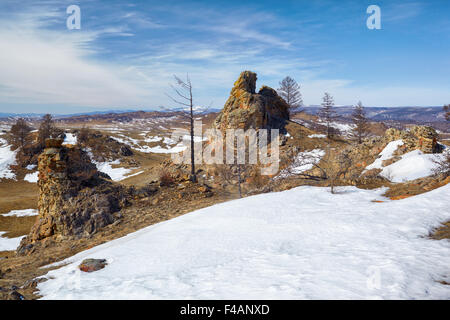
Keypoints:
pixel 17 195
pixel 442 232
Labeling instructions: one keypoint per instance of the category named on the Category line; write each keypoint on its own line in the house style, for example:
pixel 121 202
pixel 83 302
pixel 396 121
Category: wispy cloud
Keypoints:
pixel 125 56
pixel 397 12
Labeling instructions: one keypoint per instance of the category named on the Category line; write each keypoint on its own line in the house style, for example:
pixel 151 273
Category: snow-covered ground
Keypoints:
pixel 385 154
pixel 7 244
pixel 158 149
pixel 344 128
pixel 32 177
pixel 139 146
pixel 116 174
pixel 317 136
pixel 304 243
pixel 13 243
pixel 412 165
pixel 7 158
pixel 304 161
pixel 70 139
pixel 21 213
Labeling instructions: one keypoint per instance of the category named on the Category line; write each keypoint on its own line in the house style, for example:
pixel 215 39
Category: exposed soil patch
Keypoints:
pixel 442 232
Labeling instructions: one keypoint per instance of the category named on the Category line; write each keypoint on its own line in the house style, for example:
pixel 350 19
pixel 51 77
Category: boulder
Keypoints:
pixel 247 109
pixel 91 265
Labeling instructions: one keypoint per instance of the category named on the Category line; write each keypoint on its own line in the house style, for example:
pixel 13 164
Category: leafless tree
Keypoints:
pixel 46 129
pixel 361 129
pixel 233 174
pixel 328 114
pixel 19 132
pixel 183 91
pixel 289 90
pixel 447 112
pixel 332 167
pixel 83 134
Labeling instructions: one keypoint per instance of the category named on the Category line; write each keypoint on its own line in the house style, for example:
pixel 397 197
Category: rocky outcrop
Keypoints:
pixel 75 199
pixel 423 138
pixel 246 109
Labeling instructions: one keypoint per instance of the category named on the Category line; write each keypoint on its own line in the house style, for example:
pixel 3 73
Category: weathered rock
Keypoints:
pixel 75 199
pixel 426 138
pixel 125 151
pixel 91 265
pixel 423 138
pixel 247 109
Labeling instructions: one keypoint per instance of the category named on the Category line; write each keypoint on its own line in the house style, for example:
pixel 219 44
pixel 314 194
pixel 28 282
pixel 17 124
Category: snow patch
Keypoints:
pixel 70 139
pixel 32 177
pixel 8 244
pixel 413 165
pixel 317 136
pixel 21 213
pixel 386 154
pixel 7 158
pixel 116 174
pixel 303 243
pixel 304 161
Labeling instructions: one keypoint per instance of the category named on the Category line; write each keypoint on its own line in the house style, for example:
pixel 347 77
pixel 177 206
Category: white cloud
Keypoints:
pixel 47 66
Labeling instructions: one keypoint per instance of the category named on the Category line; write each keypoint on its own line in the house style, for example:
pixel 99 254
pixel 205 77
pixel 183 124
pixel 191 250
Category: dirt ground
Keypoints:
pixel 17 195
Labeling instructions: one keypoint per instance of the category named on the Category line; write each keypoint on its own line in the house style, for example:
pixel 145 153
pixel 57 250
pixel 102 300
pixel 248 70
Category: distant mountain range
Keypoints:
pixel 197 109
pixel 407 114
pixel 404 114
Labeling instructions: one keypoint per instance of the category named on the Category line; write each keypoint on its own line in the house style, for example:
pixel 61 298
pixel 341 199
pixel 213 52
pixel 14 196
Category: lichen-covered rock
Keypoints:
pixel 247 109
pixel 426 138
pixel 75 199
pixel 423 138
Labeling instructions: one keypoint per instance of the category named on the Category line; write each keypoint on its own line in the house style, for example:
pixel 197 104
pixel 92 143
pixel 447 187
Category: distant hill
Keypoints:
pixel 408 114
pixel 107 113
pixel 399 114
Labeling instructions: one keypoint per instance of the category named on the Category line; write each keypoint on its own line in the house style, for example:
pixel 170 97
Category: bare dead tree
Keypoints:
pixel 19 132
pixel 289 90
pixel 233 174
pixel 361 129
pixel 183 90
pixel 328 114
pixel 330 167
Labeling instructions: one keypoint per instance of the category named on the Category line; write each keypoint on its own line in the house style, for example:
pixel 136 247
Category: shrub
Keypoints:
pixel 165 178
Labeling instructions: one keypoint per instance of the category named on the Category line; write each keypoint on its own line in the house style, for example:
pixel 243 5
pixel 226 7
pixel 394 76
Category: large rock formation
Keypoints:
pixel 75 199
pixel 419 137
pixel 246 109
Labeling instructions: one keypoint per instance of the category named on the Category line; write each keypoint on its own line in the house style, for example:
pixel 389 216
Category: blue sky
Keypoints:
pixel 126 52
